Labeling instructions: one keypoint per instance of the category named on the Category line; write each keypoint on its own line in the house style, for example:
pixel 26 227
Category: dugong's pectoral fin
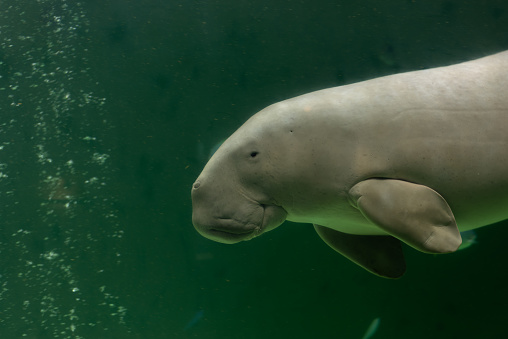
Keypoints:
pixel 381 255
pixel 413 213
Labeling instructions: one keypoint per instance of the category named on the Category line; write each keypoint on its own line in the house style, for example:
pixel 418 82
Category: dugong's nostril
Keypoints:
pixel 196 185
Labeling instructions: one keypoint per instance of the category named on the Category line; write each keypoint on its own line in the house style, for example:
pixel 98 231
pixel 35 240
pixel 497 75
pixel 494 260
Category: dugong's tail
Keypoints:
pixel 372 328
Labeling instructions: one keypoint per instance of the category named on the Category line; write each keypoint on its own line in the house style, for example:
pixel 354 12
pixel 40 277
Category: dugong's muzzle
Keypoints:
pixel 227 216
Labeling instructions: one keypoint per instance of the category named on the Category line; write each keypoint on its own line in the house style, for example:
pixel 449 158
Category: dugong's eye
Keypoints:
pixel 253 154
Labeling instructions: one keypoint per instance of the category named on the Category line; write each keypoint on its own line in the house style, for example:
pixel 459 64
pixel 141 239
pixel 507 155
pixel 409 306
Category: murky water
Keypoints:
pixel 55 178
pixel 108 112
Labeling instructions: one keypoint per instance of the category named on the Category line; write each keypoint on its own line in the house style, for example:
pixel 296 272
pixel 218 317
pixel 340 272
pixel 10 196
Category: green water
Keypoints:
pixel 108 112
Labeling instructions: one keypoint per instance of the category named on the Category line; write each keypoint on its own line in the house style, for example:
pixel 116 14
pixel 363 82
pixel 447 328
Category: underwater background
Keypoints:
pixel 108 112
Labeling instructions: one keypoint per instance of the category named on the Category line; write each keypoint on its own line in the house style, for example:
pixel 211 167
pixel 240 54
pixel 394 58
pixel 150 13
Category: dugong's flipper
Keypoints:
pixel 379 254
pixel 413 213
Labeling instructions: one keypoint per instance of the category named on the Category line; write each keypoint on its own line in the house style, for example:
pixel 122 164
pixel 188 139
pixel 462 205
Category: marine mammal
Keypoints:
pixel 413 157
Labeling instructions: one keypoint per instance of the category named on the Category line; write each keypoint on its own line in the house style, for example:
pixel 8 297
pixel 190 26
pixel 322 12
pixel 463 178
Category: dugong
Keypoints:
pixel 415 157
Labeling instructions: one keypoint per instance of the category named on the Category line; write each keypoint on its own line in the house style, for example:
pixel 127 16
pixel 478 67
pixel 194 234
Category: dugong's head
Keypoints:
pixel 232 199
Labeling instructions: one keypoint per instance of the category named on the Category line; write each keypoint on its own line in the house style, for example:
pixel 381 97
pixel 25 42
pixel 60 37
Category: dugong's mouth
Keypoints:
pixel 230 236
pixel 228 228
pixel 230 231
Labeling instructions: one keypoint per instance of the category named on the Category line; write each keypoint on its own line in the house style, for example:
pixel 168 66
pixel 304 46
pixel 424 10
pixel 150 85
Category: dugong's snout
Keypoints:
pixel 229 218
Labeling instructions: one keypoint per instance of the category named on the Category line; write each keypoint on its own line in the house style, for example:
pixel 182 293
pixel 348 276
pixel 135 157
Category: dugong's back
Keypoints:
pixel 445 128
pixel 454 138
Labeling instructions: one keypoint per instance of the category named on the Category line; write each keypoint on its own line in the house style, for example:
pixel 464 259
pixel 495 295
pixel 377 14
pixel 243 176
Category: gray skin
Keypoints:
pixel 414 157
